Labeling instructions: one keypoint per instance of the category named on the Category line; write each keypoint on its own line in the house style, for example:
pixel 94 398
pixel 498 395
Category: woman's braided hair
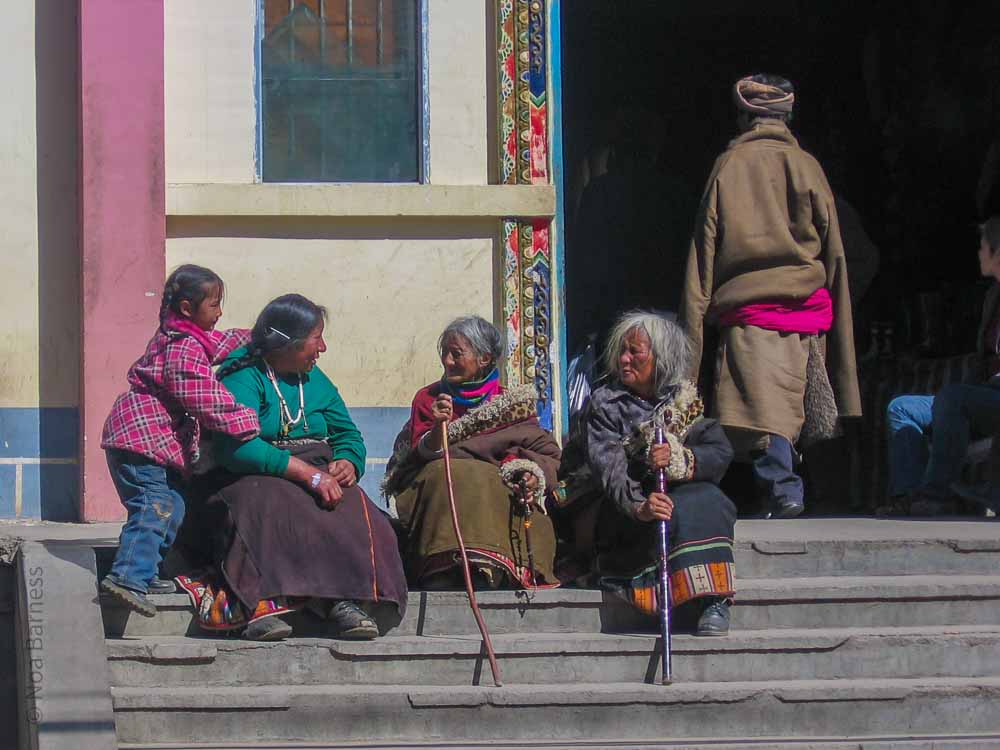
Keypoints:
pixel 285 321
pixel 189 283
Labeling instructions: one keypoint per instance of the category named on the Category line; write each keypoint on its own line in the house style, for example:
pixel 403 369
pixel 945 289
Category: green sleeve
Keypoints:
pixel 342 434
pixel 254 456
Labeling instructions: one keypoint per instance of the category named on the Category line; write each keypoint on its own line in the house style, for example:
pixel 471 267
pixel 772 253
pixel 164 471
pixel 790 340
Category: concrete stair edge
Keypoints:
pixel 917 586
pixel 639 713
pixel 926 742
pixel 182 648
pixel 760 604
pixel 536 695
pixel 561 659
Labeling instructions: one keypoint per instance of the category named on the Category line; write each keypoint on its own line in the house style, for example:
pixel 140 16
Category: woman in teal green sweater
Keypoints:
pixel 296 530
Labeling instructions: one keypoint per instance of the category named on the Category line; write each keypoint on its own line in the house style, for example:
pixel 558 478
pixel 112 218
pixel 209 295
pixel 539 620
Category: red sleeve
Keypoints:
pixel 421 421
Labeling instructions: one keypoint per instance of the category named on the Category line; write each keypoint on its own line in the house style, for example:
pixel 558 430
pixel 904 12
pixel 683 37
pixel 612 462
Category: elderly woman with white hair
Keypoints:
pixel 500 456
pixel 607 503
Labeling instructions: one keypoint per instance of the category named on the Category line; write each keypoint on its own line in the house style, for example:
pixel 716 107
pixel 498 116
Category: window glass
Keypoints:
pixel 339 91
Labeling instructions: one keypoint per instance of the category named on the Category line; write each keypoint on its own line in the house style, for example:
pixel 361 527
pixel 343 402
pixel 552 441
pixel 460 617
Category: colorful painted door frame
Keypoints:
pixel 528 80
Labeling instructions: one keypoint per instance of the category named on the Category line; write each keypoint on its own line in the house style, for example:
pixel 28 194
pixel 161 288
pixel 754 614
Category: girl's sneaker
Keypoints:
pixel 162 586
pixel 134 600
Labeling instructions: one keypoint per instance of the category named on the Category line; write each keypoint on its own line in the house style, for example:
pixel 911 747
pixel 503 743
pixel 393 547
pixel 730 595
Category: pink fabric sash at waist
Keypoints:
pixel 811 316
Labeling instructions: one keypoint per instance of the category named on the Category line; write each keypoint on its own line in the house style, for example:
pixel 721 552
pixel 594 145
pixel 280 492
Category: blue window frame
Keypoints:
pixel 340 91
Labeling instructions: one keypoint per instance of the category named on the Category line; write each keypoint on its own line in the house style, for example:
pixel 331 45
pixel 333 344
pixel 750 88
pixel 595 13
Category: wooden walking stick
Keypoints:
pixel 491 655
pixel 666 676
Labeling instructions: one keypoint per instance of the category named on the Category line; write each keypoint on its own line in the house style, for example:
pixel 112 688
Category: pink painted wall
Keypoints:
pixel 122 215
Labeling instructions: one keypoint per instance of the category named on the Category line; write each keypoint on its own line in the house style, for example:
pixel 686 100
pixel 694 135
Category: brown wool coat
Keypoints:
pixel 767 230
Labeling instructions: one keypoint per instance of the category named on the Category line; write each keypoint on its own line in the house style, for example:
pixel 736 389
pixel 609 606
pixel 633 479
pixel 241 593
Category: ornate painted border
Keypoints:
pixel 523 159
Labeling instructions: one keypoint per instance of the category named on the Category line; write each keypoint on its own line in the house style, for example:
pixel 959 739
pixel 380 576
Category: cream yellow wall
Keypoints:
pixel 390 284
pixel 19 241
pixel 38 252
pixel 209 90
pixel 457 50
pixel 389 289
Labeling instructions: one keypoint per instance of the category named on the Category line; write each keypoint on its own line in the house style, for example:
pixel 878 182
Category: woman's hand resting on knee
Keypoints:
pixel 657 507
pixel 320 483
pixel 343 471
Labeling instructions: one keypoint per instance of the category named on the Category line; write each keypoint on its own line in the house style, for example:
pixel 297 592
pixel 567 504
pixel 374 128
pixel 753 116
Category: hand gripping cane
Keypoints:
pixel 491 655
pixel 664 576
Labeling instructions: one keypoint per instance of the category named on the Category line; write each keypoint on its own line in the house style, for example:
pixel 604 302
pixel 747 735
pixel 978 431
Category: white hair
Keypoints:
pixel 483 337
pixel 668 343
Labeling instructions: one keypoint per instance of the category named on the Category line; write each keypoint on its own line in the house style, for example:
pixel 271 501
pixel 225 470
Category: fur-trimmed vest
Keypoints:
pixel 608 452
pixel 504 432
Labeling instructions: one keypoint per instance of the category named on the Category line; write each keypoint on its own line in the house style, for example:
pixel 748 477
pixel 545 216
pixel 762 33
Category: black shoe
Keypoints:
pixel 268 629
pixel 714 620
pixel 352 622
pixel 784 509
pixel 134 600
pixel 161 586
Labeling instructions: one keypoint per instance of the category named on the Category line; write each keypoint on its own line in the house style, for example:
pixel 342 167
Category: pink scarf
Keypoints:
pixel 811 317
pixel 175 322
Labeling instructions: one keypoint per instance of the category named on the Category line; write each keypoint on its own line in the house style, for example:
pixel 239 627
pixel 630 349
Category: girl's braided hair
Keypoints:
pixel 285 321
pixel 189 283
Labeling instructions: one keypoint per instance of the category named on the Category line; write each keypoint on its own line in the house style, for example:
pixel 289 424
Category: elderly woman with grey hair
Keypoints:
pixel 607 506
pixel 500 457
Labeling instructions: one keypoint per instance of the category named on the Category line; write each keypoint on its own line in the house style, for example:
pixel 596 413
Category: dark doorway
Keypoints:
pixel 898 100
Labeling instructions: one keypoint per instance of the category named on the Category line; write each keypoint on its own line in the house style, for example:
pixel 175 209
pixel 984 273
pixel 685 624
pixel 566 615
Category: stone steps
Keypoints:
pixel 878 557
pixel 927 742
pixel 795 555
pixel 612 711
pixel 847 635
pixel 762 604
pixel 548 658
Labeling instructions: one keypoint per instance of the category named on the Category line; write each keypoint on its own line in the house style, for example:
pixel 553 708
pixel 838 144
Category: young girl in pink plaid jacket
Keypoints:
pixel 151 436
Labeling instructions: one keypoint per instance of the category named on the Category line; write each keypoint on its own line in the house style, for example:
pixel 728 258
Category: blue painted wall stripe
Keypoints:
pixel 39 433
pixel 380 425
pixel 558 177
pixel 51 491
pixel 7 501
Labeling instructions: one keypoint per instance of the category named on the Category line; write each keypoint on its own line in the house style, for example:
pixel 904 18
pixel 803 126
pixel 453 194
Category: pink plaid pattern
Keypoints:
pixel 172 394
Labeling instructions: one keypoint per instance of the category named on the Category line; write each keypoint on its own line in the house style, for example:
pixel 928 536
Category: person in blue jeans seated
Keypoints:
pixel 929 435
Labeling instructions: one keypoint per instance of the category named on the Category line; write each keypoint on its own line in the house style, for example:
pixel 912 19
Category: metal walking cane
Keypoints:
pixel 664 575
pixel 523 486
pixel 490 654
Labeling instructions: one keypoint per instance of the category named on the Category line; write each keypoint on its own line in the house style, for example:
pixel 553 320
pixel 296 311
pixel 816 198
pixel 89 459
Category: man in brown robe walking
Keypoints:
pixel 766 267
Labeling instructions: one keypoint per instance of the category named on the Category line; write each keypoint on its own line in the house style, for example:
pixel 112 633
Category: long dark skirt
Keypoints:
pixel 270 539
pixel 700 549
pixel 493 528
